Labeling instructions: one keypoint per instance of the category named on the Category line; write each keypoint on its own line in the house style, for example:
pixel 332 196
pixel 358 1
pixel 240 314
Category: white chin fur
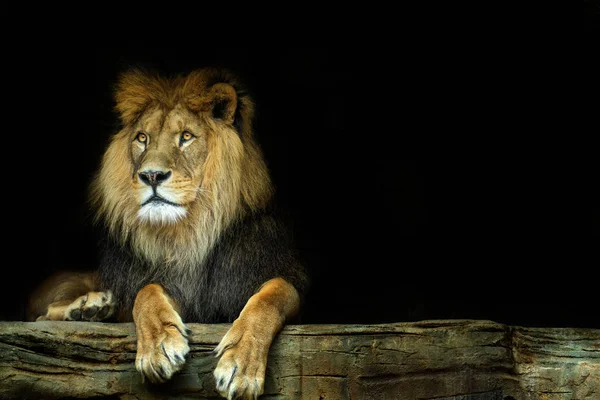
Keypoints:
pixel 161 213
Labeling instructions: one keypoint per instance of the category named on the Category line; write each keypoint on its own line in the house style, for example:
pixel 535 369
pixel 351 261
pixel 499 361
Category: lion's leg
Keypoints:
pixel 71 296
pixel 161 334
pixel 240 372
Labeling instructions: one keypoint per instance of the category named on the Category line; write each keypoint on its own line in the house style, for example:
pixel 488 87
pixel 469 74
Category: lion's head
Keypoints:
pixel 184 165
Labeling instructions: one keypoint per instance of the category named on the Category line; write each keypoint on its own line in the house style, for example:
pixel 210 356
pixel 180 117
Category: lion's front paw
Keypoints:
pixel 161 346
pixel 240 373
pixel 93 306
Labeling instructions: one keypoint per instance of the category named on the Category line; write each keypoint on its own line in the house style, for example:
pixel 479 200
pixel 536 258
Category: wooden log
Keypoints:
pixel 454 359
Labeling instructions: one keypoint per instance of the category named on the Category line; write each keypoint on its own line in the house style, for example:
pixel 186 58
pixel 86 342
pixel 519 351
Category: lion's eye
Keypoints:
pixel 185 137
pixel 141 137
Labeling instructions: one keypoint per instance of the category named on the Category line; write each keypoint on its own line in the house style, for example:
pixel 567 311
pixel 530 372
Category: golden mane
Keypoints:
pixel 235 179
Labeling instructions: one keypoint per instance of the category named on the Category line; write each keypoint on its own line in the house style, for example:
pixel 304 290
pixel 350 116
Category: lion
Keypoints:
pixel 191 233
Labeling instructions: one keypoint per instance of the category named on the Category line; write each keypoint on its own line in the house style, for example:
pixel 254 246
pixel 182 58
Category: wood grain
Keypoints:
pixel 454 359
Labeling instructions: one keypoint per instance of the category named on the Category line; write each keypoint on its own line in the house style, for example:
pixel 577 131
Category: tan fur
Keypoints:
pixel 233 177
pixel 58 291
pixel 66 292
pixel 246 345
pixel 161 335
pixel 220 178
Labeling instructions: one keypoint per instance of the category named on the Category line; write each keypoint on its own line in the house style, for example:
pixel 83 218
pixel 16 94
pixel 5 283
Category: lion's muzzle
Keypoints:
pixel 158 207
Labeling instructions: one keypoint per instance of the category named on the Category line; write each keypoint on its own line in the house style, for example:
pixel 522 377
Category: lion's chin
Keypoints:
pixel 158 213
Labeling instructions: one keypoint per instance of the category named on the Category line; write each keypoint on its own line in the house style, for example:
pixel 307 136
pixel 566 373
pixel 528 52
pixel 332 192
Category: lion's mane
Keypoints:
pixel 230 242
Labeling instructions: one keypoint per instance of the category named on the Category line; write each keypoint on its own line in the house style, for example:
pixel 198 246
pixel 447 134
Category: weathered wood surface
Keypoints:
pixel 457 359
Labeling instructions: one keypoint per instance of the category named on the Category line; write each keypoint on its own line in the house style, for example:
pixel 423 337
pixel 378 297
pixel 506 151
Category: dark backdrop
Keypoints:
pixel 402 169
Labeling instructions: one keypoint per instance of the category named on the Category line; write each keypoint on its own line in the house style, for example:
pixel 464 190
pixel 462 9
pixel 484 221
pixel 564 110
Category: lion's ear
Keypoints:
pixel 220 101
pixel 133 94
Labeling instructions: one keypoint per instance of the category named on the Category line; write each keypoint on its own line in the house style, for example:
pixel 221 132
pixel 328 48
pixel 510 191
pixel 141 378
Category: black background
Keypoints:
pixel 403 168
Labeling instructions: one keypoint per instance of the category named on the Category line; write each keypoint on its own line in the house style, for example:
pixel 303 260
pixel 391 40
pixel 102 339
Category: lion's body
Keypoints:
pixel 247 254
pixel 229 243
pixel 184 197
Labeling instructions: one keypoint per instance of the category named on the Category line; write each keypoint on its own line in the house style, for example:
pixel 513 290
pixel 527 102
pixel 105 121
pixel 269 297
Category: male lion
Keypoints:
pixel 186 204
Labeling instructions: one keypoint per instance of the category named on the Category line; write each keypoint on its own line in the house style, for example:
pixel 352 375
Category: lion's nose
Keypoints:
pixel 154 178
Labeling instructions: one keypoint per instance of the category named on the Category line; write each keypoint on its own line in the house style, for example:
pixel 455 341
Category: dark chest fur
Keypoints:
pixel 247 254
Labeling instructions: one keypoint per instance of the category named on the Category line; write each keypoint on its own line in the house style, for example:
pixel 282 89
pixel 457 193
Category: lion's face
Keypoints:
pixel 183 166
pixel 168 154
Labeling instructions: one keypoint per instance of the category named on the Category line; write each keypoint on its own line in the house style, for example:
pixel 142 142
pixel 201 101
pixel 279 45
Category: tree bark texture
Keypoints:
pixel 453 359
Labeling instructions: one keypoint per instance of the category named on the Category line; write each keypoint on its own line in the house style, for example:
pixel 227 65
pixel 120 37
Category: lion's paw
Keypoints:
pixel 240 373
pixel 93 306
pixel 161 347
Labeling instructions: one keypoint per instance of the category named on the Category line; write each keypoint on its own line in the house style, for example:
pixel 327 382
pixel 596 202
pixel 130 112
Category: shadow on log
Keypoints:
pixel 455 359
